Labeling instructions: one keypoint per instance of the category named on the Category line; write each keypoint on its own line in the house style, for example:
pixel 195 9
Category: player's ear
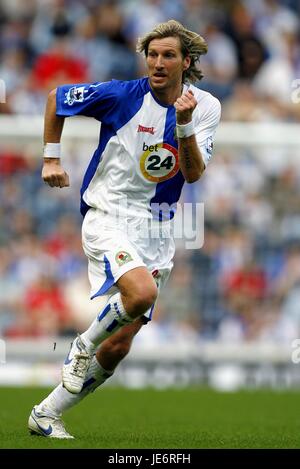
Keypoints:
pixel 186 62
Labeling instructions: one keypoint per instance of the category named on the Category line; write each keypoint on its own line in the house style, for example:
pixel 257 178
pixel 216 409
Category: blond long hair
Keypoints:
pixel 192 45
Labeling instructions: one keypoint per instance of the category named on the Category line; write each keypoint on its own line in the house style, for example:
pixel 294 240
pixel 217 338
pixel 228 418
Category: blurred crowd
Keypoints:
pixel 244 283
pixel 251 65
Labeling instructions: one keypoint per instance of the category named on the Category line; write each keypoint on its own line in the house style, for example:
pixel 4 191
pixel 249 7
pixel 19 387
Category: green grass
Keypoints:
pixel 188 418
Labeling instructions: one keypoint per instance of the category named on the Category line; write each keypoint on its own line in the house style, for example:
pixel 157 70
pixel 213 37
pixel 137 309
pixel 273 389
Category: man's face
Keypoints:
pixel 165 63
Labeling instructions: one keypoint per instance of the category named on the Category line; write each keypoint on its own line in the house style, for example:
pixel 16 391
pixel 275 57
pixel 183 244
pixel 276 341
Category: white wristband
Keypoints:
pixel 52 150
pixel 185 130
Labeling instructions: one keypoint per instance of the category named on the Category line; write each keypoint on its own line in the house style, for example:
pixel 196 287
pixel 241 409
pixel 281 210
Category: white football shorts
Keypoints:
pixel 114 246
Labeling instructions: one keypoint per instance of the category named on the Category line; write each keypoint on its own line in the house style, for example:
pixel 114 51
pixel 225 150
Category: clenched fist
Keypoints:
pixel 185 106
pixel 53 174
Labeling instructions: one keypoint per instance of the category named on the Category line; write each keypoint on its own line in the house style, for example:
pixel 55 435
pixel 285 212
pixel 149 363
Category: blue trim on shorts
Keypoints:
pixel 109 282
pixel 151 312
pixel 147 319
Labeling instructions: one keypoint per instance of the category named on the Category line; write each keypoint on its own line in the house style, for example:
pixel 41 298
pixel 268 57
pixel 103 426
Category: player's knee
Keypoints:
pixel 142 298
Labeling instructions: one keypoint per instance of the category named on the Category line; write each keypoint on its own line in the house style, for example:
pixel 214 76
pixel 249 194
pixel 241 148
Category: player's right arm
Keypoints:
pixel 52 173
pixel 97 100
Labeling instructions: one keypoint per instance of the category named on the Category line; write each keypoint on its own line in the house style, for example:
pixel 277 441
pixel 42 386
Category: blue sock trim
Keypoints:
pixel 87 383
pixel 117 310
pixel 104 312
pixel 112 326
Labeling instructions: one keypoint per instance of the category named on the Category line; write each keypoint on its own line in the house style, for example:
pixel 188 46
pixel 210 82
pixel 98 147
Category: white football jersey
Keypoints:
pixel 135 169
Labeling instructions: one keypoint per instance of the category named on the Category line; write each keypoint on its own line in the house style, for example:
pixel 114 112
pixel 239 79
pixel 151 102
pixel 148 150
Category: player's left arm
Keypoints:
pixel 191 162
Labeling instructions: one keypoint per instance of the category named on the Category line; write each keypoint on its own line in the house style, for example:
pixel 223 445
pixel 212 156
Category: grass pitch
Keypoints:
pixel 186 418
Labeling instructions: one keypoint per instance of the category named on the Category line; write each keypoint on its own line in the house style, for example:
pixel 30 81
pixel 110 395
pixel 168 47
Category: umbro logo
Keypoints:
pixel 150 130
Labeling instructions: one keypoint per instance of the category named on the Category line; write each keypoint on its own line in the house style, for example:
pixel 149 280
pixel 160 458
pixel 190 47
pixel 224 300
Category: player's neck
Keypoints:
pixel 168 96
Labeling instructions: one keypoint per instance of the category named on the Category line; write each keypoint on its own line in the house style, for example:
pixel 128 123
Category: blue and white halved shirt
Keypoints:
pixel 135 165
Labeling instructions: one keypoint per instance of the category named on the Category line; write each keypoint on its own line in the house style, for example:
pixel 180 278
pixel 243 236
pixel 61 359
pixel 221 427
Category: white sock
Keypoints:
pixel 108 321
pixel 60 400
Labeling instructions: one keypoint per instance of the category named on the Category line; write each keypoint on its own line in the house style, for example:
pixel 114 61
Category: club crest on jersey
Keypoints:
pixel 122 257
pixel 150 130
pixel 209 145
pixel 75 94
pixel 159 162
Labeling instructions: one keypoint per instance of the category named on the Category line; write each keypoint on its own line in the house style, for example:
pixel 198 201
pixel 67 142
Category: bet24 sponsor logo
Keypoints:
pixel 159 162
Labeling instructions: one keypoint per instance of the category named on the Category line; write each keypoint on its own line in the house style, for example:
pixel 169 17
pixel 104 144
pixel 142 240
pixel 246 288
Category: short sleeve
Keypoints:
pixel 96 100
pixel 205 127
